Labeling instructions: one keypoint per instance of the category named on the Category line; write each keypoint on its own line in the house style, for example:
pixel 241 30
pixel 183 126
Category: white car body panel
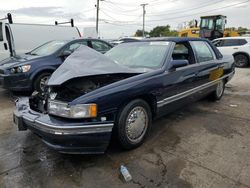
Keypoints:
pixel 26 37
pixel 231 50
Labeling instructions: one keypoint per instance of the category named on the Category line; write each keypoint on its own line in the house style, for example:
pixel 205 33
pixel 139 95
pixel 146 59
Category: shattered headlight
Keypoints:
pixel 74 111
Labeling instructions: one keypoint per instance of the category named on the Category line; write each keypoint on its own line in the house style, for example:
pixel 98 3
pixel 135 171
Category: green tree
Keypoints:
pixel 138 33
pixel 162 31
pixel 242 29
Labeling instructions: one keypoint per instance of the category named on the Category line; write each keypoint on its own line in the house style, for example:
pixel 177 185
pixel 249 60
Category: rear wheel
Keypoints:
pixel 134 123
pixel 40 81
pixel 241 60
pixel 219 91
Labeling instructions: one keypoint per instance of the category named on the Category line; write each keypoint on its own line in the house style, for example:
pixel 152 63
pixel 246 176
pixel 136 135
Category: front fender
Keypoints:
pixel 42 69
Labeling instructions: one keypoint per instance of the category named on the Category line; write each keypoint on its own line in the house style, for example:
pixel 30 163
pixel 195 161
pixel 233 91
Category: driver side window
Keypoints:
pixel 182 51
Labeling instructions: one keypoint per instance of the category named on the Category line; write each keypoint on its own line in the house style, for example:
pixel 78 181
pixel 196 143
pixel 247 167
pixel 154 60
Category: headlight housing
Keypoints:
pixel 20 69
pixel 75 111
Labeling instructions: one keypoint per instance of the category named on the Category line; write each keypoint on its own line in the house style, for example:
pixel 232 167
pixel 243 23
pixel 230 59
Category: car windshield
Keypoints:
pixel 48 48
pixel 140 54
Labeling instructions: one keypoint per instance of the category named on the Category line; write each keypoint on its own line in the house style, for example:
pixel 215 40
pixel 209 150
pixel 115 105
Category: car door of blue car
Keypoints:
pixel 210 69
pixel 179 84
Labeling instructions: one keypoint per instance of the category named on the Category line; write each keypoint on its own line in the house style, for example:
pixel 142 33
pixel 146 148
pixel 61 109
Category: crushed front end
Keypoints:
pixel 74 134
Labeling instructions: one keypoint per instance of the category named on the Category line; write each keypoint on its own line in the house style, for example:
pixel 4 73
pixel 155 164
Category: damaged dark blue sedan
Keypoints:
pixel 91 95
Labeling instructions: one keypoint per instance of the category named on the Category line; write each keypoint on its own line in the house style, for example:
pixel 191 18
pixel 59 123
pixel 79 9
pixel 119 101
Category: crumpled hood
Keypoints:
pixel 17 60
pixel 86 62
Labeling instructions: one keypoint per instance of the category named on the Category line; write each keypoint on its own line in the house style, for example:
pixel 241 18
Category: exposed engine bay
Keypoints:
pixel 73 89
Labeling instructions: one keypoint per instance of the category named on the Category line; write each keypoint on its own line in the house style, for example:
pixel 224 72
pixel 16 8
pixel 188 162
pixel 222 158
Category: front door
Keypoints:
pixel 179 84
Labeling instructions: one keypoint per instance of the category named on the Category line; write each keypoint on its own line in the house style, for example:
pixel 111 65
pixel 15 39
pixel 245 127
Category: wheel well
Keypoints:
pixel 39 73
pixel 150 99
pixel 242 53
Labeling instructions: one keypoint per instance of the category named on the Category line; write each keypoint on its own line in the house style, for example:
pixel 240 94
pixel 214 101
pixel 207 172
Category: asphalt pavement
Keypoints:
pixel 206 144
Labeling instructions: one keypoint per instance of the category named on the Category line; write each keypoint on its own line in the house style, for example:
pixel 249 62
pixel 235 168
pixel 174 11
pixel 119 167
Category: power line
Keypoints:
pixel 114 19
pixel 204 5
pixel 118 7
pixel 172 18
pixel 110 9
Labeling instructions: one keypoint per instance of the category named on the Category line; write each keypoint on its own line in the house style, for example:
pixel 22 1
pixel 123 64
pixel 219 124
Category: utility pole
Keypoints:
pixel 97 16
pixel 144 12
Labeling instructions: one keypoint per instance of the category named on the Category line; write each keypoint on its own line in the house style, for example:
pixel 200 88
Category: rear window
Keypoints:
pixel 1 31
pixel 202 51
pixel 233 42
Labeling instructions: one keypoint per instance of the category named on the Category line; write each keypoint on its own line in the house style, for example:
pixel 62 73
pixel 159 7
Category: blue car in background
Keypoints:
pixel 30 71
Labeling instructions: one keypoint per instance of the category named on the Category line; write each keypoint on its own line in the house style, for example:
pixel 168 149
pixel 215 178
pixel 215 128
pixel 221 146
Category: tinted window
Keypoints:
pixel 1 31
pixel 100 46
pixel 202 51
pixel 129 40
pixel 242 41
pixel 230 42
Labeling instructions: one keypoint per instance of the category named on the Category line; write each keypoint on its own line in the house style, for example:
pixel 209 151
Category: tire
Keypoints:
pixel 133 135
pixel 219 91
pixel 241 60
pixel 40 81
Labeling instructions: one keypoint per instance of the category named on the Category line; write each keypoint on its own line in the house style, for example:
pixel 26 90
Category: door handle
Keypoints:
pixel 5 46
pixel 235 48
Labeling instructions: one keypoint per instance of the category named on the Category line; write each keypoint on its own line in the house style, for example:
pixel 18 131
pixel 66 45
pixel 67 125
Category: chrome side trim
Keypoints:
pixel 190 92
pixel 67 130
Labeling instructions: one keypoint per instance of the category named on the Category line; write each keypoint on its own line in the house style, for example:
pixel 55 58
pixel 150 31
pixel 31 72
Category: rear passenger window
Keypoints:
pixel 230 42
pixel 202 51
pixel 74 46
pixel 100 46
pixel 1 31
pixel 242 42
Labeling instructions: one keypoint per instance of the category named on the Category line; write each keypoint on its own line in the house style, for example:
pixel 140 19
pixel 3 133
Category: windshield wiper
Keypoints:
pixel 32 53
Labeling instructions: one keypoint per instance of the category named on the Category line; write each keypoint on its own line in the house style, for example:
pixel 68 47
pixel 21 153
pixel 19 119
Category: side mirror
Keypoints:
pixel 174 64
pixel 65 53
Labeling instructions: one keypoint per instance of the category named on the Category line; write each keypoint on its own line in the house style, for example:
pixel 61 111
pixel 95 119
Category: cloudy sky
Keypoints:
pixel 123 18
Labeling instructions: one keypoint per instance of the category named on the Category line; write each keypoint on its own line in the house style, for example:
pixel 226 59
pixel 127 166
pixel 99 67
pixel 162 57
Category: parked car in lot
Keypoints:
pixel 126 40
pixel 91 95
pixel 19 38
pixel 30 71
pixel 239 47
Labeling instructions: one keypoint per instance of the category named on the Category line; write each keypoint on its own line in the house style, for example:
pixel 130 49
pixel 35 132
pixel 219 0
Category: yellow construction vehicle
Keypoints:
pixel 211 27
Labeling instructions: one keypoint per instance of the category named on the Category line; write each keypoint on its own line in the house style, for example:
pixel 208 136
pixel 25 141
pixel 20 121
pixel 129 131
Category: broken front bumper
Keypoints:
pixel 63 135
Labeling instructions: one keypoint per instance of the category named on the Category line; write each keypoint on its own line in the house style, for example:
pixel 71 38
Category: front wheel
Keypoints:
pixel 40 81
pixel 133 123
pixel 219 91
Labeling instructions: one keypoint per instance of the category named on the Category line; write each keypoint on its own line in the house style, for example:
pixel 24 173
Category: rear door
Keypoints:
pixel 231 46
pixel 210 69
pixel 4 49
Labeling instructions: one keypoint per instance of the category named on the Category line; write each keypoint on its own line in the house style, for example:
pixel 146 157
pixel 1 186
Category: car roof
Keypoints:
pixel 241 37
pixel 174 39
